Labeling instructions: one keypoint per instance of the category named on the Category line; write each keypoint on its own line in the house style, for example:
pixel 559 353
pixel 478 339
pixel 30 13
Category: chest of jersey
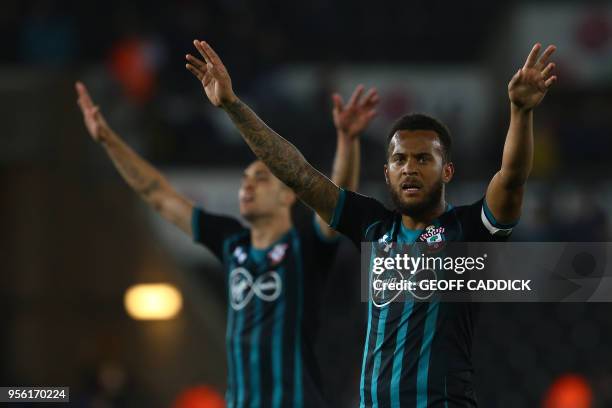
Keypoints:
pixel 258 275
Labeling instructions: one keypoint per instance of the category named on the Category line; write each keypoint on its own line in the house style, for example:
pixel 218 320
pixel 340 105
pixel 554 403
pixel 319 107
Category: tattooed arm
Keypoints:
pixel 283 159
pixel 139 174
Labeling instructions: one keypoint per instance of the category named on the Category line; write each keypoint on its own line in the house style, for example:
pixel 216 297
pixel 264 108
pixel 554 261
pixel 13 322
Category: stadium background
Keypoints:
pixel 75 237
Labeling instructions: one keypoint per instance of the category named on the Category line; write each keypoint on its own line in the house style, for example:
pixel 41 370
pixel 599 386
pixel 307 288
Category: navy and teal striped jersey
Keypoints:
pixel 272 311
pixel 417 354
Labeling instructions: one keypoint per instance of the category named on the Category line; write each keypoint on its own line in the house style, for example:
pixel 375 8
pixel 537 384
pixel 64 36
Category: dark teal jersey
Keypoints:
pixel 272 312
pixel 417 354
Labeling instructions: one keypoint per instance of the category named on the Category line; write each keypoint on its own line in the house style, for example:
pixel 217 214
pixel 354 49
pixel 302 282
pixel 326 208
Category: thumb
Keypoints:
pixel 95 112
pixel 338 102
pixel 515 78
pixel 98 117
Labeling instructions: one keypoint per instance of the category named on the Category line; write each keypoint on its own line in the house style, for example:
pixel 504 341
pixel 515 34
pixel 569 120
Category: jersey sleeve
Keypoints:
pixel 321 237
pixel 480 225
pixel 212 230
pixel 325 247
pixel 355 214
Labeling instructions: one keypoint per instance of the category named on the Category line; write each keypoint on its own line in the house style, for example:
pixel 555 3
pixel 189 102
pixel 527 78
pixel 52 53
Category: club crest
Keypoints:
pixel 277 254
pixel 433 236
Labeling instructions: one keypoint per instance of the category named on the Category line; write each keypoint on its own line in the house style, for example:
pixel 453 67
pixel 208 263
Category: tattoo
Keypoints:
pixel 284 160
pixel 144 184
pixel 150 188
pixel 150 184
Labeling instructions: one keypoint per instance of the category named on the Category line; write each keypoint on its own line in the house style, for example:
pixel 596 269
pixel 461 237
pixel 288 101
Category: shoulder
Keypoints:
pixel 385 224
pixel 478 224
pixel 235 239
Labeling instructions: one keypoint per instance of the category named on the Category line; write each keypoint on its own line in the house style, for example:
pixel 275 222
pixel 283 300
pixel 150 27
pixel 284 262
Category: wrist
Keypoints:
pixel 519 110
pixel 345 136
pixel 230 101
pixel 106 137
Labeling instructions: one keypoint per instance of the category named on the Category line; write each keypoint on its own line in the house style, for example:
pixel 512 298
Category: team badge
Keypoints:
pixel 277 254
pixel 433 236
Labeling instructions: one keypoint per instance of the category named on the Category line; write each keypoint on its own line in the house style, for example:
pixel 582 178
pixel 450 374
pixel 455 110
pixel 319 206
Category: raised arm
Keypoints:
pixel 281 157
pixel 350 120
pixel 140 175
pixel 526 90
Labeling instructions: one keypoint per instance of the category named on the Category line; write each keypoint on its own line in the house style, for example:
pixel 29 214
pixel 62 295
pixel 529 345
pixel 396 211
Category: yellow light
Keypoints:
pixel 158 301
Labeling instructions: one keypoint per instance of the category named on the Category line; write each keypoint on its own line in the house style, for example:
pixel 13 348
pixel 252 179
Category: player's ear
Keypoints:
pixel 287 196
pixel 292 198
pixel 386 174
pixel 447 172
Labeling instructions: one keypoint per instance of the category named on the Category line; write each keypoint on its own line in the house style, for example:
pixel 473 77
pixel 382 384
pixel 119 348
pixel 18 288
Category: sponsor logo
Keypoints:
pixel 389 285
pixel 243 287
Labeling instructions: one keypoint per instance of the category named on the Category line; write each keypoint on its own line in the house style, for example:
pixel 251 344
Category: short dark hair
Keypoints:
pixel 420 121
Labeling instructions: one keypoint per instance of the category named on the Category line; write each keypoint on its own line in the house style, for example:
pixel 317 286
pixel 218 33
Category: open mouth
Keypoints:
pixel 247 199
pixel 411 187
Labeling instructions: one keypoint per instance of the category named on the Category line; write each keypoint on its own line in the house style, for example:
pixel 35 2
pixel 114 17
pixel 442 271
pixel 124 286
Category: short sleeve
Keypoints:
pixel 321 237
pixel 480 225
pixel 212 230
pixel 322 248
pixel 355 214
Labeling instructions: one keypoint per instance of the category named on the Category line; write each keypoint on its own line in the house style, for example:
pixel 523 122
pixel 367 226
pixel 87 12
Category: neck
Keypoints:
pixel 423 220
pixel 267 230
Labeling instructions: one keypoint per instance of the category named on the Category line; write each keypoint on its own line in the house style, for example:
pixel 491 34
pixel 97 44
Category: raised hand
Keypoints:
pixel 529 85
pixel 212 74
pixel 351 119
pixel 94 121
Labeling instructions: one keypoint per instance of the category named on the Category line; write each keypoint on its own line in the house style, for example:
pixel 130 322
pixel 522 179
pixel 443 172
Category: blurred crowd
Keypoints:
pixel 138 50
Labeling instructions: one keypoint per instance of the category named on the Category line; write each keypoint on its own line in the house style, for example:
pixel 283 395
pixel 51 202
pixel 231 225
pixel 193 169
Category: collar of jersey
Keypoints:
pixel 409 236
pixel 259 254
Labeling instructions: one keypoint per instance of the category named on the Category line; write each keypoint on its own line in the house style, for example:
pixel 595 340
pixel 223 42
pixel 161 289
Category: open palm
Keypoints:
pixel 529 85
pixel 212 74
pixel 352 118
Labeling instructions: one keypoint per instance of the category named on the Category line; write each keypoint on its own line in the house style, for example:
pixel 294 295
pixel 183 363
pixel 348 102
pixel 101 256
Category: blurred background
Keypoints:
pixel 75 238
